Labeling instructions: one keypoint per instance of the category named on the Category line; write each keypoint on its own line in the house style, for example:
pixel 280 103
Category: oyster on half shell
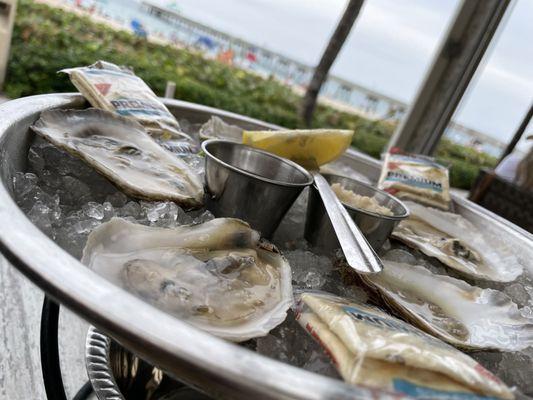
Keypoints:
pixel 457 243
pixel 121 150
pixel 451 309
pixel 217 276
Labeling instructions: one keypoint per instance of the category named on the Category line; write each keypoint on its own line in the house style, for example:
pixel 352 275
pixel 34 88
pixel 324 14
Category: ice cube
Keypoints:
pixel 169 217
pixel 36 161
pixel 185 218
pixel 196 162
pixel 154 211
pixel 40 214
pixel 109 211
pixel 86 226
pixel 74 192
pixel 308 269
pixel 71 241
pixel 23 184
pixel 290 343
pixel 27 192
pixel 204 216
pixel 94 210
pixel 130 209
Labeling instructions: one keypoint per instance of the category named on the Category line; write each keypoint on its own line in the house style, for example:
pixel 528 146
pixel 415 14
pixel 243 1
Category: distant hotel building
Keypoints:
pixel 345 94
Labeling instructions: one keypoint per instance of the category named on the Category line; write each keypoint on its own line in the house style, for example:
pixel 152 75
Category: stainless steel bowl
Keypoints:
pixel 375 227
pixel 251 184
pixel 222 369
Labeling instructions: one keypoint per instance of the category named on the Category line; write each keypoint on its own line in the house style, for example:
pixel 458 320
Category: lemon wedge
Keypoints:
pixel 308 147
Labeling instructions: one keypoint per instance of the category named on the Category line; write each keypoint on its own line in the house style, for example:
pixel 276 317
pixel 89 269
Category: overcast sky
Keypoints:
pixel 389 48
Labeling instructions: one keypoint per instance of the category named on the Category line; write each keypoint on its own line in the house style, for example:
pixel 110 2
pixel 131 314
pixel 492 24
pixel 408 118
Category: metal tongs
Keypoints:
pixel 358 252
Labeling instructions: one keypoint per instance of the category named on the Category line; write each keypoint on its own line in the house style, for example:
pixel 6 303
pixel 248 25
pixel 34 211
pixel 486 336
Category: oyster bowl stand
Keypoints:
pixel 219 368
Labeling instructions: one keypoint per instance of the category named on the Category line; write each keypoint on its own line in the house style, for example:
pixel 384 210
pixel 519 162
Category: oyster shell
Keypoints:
pixel 216 128
pixel 451 309
pixel 457 243
pixel 217 275
pixel 121 150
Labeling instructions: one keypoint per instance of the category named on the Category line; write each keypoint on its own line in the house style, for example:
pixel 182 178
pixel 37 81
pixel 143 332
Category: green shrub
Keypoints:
pixel 46 40
pixel 450 150
pixel 462 173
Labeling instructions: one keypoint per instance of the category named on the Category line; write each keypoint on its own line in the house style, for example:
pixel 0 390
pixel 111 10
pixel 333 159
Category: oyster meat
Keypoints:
pixel 217 275
pixel 121 150
pixel 457 243
pixel 451 309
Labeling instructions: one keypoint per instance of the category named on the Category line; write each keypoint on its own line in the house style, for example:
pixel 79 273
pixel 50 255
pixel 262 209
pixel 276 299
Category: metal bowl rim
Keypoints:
pixel 241 171
pixel 370 213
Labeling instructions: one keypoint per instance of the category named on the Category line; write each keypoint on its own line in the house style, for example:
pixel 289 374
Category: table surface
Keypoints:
pixel 20 313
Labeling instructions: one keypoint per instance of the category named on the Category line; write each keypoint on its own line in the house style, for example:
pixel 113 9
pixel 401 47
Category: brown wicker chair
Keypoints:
pixel 504 198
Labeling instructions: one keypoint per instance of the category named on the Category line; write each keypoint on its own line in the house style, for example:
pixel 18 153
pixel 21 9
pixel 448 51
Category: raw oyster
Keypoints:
pixel 121 150
pixel 217 275
pixel 451 309
pixel 456 243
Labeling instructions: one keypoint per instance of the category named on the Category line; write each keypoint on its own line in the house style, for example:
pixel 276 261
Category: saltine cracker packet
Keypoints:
pixel 371 348
pixel 416 177
pixel 117 89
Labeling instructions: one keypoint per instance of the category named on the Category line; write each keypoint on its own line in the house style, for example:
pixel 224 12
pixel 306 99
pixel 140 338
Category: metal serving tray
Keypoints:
pixel 217 367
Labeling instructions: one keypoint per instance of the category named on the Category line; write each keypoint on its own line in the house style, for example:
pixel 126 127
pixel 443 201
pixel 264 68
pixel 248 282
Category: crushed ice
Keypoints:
pixel 67 199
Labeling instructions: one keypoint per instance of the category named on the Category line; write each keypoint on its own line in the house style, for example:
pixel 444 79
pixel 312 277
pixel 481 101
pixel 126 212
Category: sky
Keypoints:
pixel 390 48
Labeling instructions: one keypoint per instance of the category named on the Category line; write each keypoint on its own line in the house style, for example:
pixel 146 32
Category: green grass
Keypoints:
pixel 46 40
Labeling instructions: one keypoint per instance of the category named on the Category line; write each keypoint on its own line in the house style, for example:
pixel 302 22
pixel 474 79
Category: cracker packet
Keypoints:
pixel 117 89
pixel 369 347
pixel 416 177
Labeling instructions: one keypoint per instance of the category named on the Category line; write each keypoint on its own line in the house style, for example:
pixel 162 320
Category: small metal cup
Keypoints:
pixel 376 227
pixel 251 184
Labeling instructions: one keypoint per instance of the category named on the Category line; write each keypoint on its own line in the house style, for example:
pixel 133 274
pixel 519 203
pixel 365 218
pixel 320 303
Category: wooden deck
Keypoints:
pixel 20 312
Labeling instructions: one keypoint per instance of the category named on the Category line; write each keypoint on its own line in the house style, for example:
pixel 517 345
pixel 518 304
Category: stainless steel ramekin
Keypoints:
pixel 375 227
pixel 253 185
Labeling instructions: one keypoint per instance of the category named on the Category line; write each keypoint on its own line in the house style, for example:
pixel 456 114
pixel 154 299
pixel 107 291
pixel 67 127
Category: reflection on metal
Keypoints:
pixel 7 18
pixel 452 69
